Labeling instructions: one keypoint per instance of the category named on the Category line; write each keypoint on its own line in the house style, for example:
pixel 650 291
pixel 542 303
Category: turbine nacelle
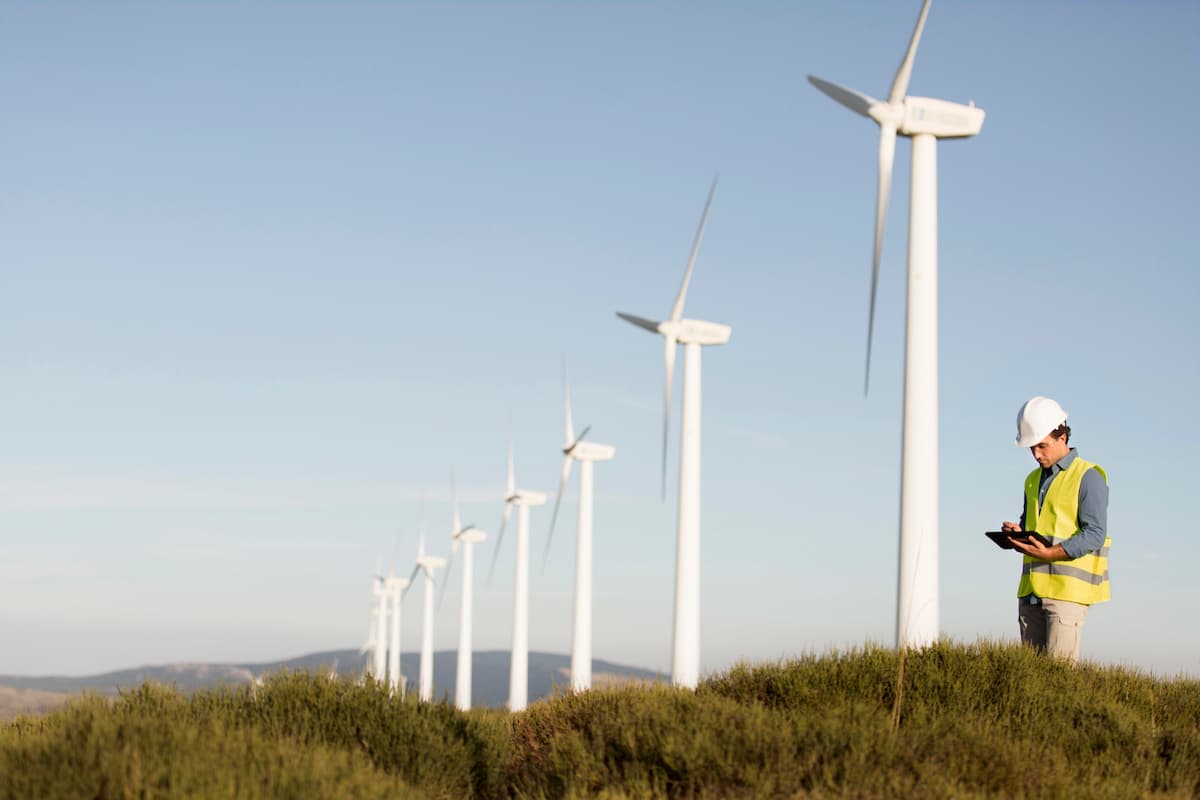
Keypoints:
pixel 684 331
pixel 431 563
pixel 526 498
pixel 394 584
pixel 591 451
pixel 469 536
pixel 696 331
pixel 940 118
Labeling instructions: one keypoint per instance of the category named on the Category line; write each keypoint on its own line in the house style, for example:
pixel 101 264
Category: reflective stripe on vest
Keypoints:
pixel 1081 580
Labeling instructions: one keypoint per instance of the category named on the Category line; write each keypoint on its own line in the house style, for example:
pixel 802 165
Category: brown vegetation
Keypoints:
pixel 14 702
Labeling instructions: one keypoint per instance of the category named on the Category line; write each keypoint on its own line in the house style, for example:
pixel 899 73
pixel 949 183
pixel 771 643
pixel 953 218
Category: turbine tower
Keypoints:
pixel 924 120
pixel 395 591
pixel 692 334
pixel 522 500
pixel 586 453
pixel 369 647
pixel 377 641
pixel 467 536
pixel 428 566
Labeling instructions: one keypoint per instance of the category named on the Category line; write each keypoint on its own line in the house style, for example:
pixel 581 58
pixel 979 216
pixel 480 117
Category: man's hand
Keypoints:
pixel 1010 527
pixel 1035 549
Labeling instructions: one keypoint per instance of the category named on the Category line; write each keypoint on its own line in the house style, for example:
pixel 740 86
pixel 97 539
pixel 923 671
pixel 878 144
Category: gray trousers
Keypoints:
pixel 1051 626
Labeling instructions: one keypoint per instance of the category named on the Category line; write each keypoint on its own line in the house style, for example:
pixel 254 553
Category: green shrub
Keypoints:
pixel 973 721
pixel 152 744
pixel 431 745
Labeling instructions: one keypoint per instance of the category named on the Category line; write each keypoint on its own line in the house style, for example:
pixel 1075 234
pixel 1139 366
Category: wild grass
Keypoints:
pixel 973 721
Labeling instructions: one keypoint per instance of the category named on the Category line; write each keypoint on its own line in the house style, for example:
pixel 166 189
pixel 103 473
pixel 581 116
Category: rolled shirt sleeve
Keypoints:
pixel 1093 516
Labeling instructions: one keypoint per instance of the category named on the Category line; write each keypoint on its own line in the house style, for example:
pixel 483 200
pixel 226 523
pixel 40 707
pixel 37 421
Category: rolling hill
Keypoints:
pixel 490 672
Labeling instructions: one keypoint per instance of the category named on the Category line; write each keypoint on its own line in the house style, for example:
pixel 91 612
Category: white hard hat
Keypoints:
pixel 1037 419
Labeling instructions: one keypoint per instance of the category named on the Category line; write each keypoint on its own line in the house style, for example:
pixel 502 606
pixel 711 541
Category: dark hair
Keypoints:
pixel 1061 431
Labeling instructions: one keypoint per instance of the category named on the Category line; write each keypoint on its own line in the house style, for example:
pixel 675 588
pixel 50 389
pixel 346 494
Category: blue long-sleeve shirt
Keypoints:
pixel 1093 507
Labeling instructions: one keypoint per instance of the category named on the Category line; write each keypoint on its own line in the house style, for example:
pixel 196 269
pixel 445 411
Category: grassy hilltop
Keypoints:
pixel 975 721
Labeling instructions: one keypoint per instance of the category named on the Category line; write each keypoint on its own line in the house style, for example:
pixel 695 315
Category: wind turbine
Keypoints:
pixel 522 500
pixel 395 591
pixel 924 120
pixel 428 565
pixel 370 647
pixel 377 641
pixel 467 536
pixel 692 334
pixel 586 453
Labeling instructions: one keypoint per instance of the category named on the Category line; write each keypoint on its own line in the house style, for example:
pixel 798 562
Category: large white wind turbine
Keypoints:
pixel 467 536
pixel 692 334
pixel 924 120
pixel 586 453
pixel 428 566
pixel 522 500
pixel 395 591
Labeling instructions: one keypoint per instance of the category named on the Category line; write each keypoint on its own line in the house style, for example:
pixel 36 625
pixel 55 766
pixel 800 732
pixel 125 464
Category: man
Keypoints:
pixel 1066 502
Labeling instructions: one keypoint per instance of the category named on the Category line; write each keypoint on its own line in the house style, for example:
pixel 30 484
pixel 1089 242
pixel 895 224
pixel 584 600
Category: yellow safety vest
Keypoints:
pixel 1082 580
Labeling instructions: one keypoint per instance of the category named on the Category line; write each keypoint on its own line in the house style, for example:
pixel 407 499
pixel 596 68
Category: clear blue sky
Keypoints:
pixel 268 270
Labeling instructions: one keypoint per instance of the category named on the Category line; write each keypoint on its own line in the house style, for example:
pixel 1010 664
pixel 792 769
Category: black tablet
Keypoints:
pixel 1004 539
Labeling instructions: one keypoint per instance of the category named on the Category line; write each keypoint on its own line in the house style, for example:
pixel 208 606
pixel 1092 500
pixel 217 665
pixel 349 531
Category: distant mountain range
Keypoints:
pixel 547 671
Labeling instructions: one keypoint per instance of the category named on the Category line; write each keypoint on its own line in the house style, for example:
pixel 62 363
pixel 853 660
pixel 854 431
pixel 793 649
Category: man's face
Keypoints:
pixel 1048 451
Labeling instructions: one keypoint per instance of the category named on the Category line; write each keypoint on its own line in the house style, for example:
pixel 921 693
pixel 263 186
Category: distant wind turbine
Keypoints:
pixel 467 536
pixel 586 453
pixel 395 591
pixel 428 566
pixel 370 647
pixel 692 334
pixel 924 120
pixel 522 500
pixel 377 642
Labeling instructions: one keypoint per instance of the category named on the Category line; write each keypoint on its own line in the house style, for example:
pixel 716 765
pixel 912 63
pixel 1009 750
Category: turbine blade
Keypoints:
pixel 562 483
pixel 446 574
pixel 421 532
pixel 669 362
pixel 570 428
pixel 510 485
pixel 856 101
pixel 677 309
pixel 455 520
pixel 395 552
pixel 641 322
pixel 887 156
pixel 411 581
pixel 499 539
pixel 442 592
pixel 904 73
pixel 579 438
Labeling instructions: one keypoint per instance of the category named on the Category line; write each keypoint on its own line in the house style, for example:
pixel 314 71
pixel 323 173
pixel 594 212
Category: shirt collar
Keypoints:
pixel 1062 463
